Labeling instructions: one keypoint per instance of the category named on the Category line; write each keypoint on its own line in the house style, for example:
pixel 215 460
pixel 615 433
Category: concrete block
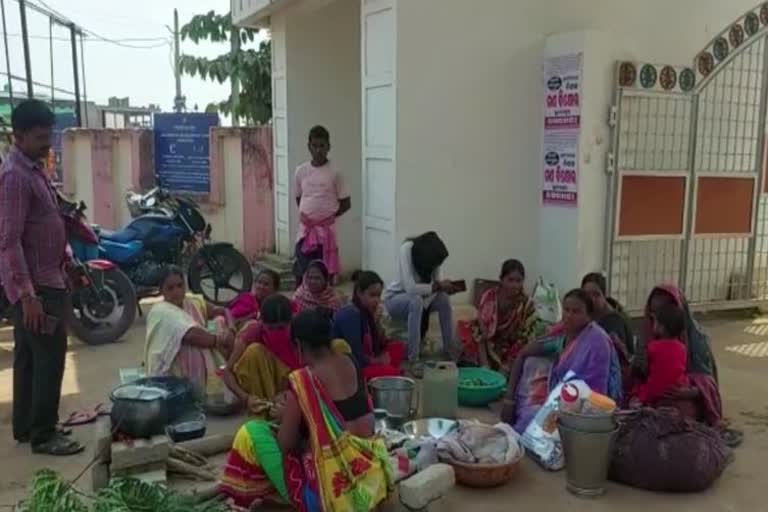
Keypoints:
pixel 99 476
pixel 102 439
pixel 426 486
pixel 139 453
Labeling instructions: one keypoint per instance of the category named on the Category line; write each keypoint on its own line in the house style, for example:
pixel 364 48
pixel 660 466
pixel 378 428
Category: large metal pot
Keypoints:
pixel 140 411
pixel 396 395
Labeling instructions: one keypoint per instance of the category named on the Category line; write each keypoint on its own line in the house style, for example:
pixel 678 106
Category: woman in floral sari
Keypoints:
pixel 178 342
pixel 315 290
pixel 321 457
pixel 505 322
pixel 582 347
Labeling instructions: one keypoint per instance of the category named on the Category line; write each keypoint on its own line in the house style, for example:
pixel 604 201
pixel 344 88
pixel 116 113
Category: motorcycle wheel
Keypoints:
pixel 236 274
pixel 102 319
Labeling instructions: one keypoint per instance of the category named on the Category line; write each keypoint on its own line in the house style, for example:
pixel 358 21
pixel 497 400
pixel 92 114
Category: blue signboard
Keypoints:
pixel 63 121
pixel 182 151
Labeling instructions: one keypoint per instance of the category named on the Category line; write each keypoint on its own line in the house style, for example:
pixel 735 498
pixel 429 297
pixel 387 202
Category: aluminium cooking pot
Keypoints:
pixel 139 410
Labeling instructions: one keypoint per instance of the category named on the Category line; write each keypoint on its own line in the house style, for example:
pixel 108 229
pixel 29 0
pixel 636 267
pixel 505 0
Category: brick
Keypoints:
pixel 139 453
pixel 418 491
pixel 102 439
pixel 99 476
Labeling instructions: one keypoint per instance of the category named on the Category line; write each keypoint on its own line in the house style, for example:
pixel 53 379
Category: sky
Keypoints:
pixel 143 74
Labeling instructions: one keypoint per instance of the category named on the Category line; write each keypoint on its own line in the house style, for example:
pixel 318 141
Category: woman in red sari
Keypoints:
pixel 506 321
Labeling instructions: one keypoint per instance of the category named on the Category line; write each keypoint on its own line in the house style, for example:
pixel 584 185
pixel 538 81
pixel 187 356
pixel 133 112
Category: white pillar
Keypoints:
pixel 571 238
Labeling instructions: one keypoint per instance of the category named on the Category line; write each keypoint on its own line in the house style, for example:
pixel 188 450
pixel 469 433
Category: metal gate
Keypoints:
pixel 686 199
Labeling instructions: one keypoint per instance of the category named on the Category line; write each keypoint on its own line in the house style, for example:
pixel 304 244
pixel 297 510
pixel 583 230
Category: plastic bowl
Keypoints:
pixel 473 394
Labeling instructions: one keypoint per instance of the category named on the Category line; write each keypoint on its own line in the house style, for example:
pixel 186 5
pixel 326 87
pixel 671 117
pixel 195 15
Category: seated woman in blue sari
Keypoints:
pixel 579 345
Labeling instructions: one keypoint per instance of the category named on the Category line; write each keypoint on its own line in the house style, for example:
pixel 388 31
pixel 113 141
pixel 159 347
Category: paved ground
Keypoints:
pixel 742 350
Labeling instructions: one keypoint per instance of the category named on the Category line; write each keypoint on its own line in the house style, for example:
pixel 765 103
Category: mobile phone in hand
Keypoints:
pixel 50 324
pixel 459 286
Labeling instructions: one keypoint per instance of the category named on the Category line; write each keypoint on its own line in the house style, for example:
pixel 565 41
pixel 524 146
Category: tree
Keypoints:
pixel 252 68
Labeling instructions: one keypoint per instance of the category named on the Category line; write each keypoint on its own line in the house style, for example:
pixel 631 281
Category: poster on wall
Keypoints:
pixel 562 130
pixel 560 166
pixel 182 151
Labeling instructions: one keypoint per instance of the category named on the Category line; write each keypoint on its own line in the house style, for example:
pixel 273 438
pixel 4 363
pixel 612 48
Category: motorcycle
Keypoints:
pixel 103 300
pixel 170 230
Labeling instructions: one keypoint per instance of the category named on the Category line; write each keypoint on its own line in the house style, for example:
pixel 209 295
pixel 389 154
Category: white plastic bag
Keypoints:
pixel 541 438
pixel 546 300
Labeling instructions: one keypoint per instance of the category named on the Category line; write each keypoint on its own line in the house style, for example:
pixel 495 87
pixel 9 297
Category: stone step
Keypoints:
pixel 287 279
pixel 276 261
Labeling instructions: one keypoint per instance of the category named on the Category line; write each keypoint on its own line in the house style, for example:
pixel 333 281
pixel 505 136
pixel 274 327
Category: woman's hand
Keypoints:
pixel 687 393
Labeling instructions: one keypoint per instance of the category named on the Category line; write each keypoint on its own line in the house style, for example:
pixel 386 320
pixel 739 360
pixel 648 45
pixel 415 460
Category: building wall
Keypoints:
pixel 100 166
pixel 323 87
pixel 469 110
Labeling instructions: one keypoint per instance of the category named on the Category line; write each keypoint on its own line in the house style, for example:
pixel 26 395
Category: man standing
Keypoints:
pixel 321 196
pixel 32 255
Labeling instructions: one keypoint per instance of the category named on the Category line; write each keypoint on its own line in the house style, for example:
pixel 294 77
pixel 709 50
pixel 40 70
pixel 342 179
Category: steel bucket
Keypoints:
pixel 396 396
pixel 587 457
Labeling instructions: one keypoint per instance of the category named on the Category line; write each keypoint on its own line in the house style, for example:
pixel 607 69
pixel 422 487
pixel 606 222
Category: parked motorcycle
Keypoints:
pixel 103 300
pixel 170 230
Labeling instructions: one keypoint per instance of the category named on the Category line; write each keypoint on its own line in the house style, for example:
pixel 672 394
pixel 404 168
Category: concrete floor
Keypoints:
pixel 742 350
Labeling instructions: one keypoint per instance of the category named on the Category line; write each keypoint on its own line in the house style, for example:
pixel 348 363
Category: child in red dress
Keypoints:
pixel 667 358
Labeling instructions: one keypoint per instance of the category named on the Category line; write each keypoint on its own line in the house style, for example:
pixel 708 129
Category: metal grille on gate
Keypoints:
pixel 685 198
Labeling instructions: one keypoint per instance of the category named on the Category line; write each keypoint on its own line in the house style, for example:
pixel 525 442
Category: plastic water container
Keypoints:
pixel 440 391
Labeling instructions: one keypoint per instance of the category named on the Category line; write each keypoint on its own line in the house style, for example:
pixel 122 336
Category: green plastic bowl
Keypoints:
pixel 479 395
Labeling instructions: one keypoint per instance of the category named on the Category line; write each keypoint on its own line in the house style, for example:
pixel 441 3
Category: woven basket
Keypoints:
pixel 484 475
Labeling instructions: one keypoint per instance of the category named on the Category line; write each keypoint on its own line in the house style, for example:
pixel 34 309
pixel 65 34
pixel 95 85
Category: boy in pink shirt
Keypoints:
pixel 321 196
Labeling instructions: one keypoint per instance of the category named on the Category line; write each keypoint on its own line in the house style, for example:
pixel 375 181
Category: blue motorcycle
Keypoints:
pixel 170 230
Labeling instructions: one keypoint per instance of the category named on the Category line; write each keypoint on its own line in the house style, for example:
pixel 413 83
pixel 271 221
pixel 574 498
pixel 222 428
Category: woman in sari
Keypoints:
pixel 247 305
pixel 609 314
pixel 322 456
pixel 264 354
pixel 701 401
pixel 506 321
pixel 178 342
pixel 583 347
pixel 358 324
pixel 315 290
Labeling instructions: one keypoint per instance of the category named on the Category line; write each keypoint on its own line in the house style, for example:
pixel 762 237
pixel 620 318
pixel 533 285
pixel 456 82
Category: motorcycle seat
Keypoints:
pixel 123 236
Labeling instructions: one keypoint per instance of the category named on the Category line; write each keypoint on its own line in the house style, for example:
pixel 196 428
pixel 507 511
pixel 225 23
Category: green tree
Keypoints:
pixel 252 68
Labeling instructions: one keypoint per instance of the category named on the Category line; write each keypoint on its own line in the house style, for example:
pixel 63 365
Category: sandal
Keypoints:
pixel 85 416
pixel 58 446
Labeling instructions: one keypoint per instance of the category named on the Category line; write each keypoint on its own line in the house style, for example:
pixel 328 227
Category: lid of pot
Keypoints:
pixel 139 392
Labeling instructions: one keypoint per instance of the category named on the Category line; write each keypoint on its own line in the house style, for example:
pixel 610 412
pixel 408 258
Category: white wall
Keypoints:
pixel 323 87
pixel 469 129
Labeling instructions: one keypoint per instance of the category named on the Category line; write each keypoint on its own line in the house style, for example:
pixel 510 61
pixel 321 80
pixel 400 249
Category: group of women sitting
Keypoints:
pixel 596 342
pixel 311 356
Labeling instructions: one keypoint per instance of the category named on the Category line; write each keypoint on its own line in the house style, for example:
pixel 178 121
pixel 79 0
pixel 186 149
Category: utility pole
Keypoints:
pixel 7 53
pixel 234 79
pixel 179 101
pixel 25 43
pixel 76 74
